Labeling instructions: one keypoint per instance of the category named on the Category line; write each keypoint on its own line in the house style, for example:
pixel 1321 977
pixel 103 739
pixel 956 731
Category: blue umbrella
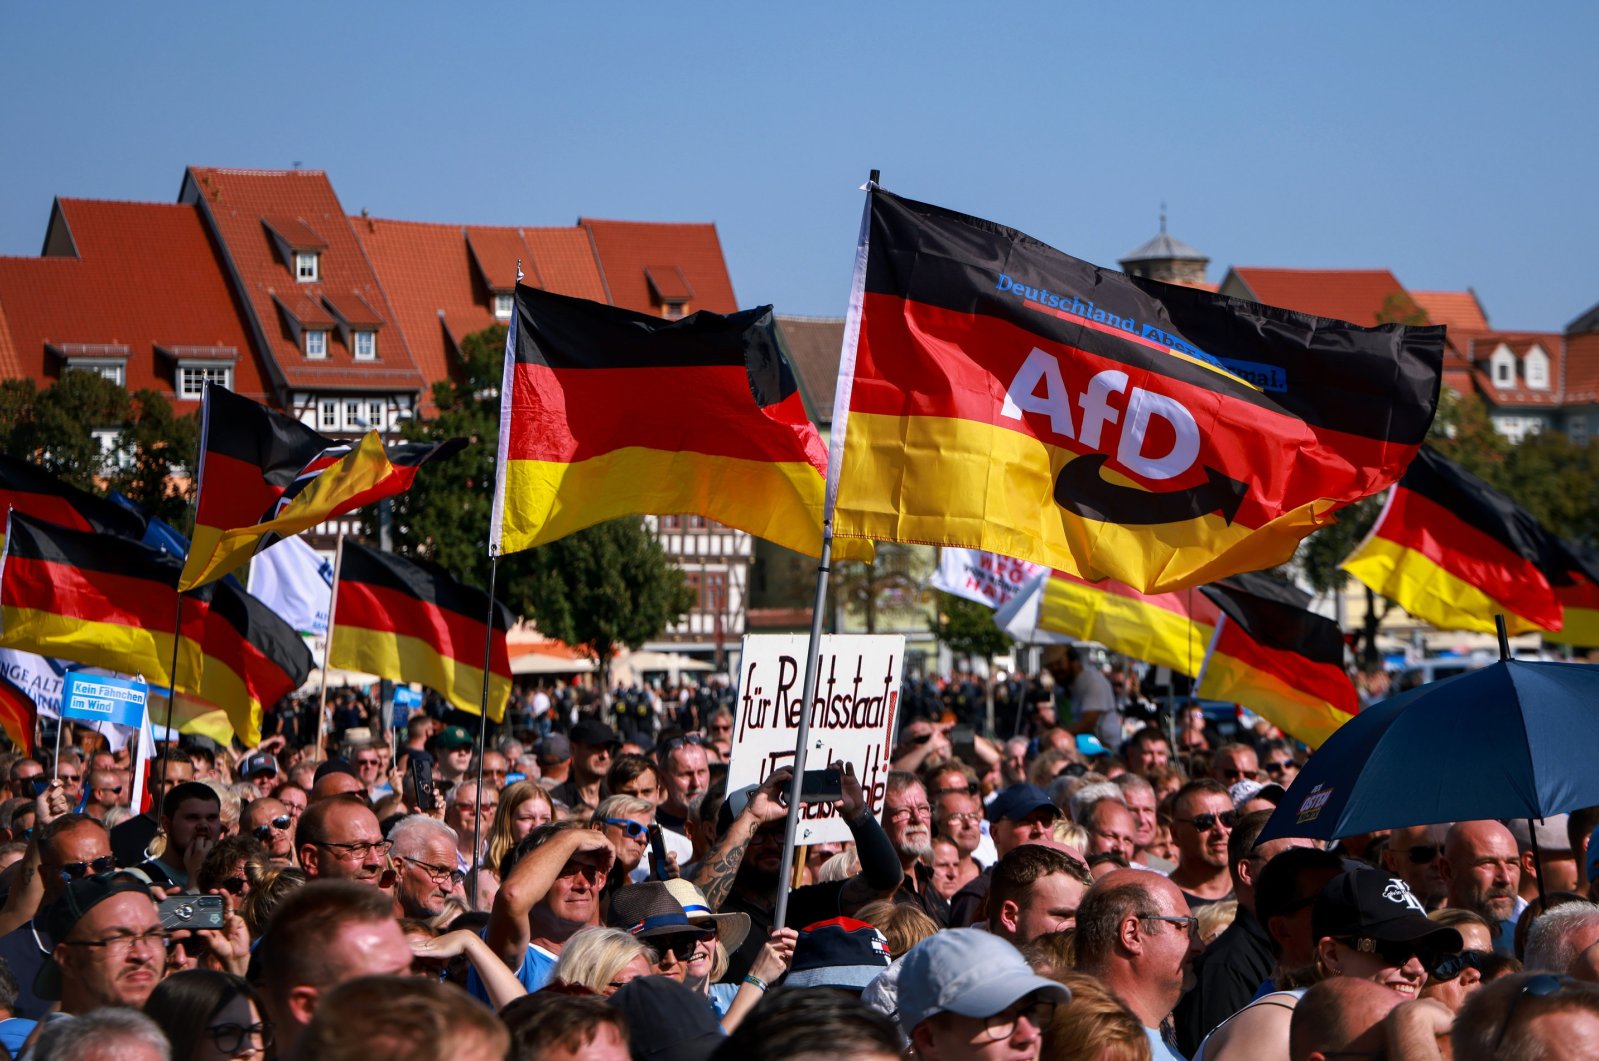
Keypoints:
pixel 1515 739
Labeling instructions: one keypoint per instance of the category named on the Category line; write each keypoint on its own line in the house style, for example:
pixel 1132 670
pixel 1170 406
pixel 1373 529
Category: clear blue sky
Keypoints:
pixel 1452 143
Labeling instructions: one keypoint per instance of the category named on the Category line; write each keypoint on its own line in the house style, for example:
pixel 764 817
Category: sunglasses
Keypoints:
pixel 1074 770
pixel 1206 822
pixel 1393 952
pixel 632 829
pixel 233 885
pixel 1425 853
pixel 71 871
pixel 1273 767
pixel 280 823
pixel 681 944
pixel 1452 965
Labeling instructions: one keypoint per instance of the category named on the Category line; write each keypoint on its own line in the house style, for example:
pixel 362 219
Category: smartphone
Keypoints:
pixel 822 786
pixel 37 785
pixel 422 784
pixel 660 868
pixel 963 743
pixel 192 911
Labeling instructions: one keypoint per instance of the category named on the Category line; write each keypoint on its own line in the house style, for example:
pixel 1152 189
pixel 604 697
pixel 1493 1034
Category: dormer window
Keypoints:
pixel 306 267
pixel 1503 366
pixel 502 307
pixel 674 310
pixel 366 346
pixel 1536 368
pixel 316 344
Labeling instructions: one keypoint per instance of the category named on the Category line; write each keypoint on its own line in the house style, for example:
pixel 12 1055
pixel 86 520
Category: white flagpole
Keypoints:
pixel 327 648
pixel 835 460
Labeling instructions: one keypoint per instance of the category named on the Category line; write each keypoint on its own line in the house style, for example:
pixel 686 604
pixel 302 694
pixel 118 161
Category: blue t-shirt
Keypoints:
pixel 1158 1048
pixel 534 973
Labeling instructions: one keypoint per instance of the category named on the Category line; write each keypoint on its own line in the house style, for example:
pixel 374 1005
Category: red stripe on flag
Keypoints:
pixel 451 634
pixel 96 596
pixel 1325 682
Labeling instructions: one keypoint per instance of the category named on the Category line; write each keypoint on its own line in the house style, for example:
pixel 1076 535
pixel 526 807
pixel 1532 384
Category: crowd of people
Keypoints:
pixel 1087 889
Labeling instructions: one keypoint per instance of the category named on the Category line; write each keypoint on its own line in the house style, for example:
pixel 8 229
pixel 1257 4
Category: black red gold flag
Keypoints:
pixel 608 413
pixel 1278 658
pixel 34 492
pixel 265 476
pixel 1577 589
pixel 410 620
pixel 1166 629
pixel 1002 395
pixel 251 660
pixel 1454 552
pixel 19 715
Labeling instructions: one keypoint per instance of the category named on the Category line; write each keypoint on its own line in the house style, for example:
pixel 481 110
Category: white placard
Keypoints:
pixel 986 578
pixel 852 717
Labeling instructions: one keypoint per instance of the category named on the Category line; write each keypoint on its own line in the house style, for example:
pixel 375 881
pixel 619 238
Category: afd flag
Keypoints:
pixel 296 582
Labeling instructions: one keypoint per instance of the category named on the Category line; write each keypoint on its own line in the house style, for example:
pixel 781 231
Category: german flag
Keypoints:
pixel 19 715
pixel 252 659
pixel 1004 396
pixel 607 413
pixel 35 492
pixel 1454 552
pixel 1577 590
pixel 409 620
pixel 1277 658
pixel 1166 629
pixel 97 599
pixel 266 476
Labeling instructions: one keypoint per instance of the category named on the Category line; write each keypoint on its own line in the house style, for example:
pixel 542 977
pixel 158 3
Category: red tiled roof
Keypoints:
pixel 296 233
pixel 668 283
pixel 145 275
pixel 351 309
pixel 1582 368
pixel 1481 349
pixel 628 250
pixel 1355 295
pixel 237 202
pixel 435 277
pixel 304 311
pixel 813 345
pixel 1459 311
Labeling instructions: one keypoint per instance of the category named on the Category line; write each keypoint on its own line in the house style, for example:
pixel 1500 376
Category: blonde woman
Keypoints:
pixel 524 807
pixel 602 960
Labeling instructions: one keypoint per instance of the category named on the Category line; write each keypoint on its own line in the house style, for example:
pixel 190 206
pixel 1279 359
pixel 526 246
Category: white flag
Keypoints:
pixel 986 578
pixel 40 677
pixel 296 582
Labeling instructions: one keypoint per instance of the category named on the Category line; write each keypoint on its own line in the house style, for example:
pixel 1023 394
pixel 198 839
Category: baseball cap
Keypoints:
pixel 680 1025
pixel 257 764
pixel 454 737
pixel 1244 791
pixel 1018 801
pixel 733 806
pixel 334 766
pixel 1551 833
pixel 1366 904
pixel 842 953
pixel 1089 745
pixel 79 897
pixel 554 749
pixel 592 731
pixel 969 972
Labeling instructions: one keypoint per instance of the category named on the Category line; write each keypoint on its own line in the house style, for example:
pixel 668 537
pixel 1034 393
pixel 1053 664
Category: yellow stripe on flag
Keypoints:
pixel 400 657
pixel 1427 591
pixel 1132 627
pixel 1580 629
pixel 1303 718
pixel 124 649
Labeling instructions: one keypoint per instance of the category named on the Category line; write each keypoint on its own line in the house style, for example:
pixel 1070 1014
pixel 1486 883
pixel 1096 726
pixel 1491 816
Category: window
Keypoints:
pixel 328 414
pixel 352 416
pixel 674 310
pixel 113 456
pixel 115 371
pixel 306 265
pixel 377 415
pixel 366 346
pixel 1577 429
pixel 193 378
pixel 1504 367
pixel 502 307
pixel 1536 367
pixel 316 344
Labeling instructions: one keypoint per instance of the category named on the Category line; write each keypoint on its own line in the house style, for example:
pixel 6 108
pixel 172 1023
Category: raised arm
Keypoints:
pixel 508 933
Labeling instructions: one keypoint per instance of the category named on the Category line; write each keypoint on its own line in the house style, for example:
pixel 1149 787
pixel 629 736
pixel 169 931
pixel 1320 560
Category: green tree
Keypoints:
pixel 608 585
pixel 887 582
pixel 158 443
pixel 967 627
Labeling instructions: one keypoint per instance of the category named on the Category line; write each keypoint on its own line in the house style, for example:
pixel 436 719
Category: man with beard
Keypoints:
pixel 1202 819
pixel 593 743
pixel 740 874
pixel 1413 855
pixel 550 892
pixel 908 821
pixel 685 778
pixel 1482 871
pixel 1147 751
pixel 191 817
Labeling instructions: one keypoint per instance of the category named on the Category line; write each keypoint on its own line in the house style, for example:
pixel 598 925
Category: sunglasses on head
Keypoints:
pixel 632 829
pixel 71 871
pixel 1206 822
pixel 280 823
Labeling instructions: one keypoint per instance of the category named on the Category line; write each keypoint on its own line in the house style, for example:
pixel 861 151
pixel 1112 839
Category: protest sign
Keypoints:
pixel 853 716
pixel 986 578
pixel 100 698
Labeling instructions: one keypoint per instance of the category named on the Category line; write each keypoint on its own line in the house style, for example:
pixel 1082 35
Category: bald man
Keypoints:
pixel 1342 1016
pixel 1414 854
pixel 1481 868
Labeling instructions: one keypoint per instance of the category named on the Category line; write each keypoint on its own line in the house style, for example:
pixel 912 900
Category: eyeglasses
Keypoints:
pixel 1395 953
pixel 965 819
pixel 1000 1026
pixel 1452 965
pixel 721 727
pixel 438 874
pixel 680 944
pixel 281 823
pixel 1191 923
pixel 1206 822
pixel 1234 774
pixel 234 885
pixel 117 946
pixel 230 1038
pixel 359 848
pixel 1538 987
pixel 1074 770
pixel 922 813
pixel 115 790
pixel 633 829
pixel 1424 853
pixel 71 871
pixel 1274 767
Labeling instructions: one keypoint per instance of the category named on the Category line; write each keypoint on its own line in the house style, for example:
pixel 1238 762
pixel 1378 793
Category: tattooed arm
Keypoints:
pixel 715 877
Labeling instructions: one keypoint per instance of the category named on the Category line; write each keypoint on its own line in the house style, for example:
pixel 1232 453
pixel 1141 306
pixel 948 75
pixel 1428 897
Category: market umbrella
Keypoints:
pixel 1515 739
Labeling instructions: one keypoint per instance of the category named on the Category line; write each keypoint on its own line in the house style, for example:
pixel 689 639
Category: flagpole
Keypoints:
pixel 852 328
pixel 172 692
pixel 483 725
pixel 327 647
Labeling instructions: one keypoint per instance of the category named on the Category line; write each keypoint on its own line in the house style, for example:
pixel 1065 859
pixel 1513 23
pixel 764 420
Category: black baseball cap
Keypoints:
pixel 1365 904
pixel 1018 801
pixel 79 897
pixel 593 732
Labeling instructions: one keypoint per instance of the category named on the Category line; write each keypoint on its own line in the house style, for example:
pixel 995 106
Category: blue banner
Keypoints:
pixel 98 698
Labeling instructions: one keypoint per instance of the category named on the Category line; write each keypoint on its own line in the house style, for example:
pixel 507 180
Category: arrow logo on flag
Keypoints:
pixel 1080 488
